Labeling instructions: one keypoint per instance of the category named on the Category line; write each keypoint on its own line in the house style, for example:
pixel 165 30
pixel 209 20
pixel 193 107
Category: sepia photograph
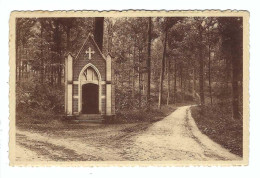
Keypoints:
pixel 129 88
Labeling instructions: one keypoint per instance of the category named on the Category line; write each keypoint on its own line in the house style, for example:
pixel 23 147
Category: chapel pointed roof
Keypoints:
pixel 90 37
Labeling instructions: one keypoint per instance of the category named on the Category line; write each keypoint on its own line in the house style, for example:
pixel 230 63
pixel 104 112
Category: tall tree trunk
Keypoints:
pixel 139 79
pixel 227 72
pixel 235 92
pixel 162 70
pixel 201 69
pixel 175 79
pixel 186 80
pixel 20 62
pixel 210 93
pixel 194 82
pixel 149 62
pixel 140 89
pixel 181 81
pixel 143 83
pixel 237 66
pixel 129 70
pixel 189 80
pixel 168 80
pixel 133 79
pixel 42 61
pixel 17 52
pixel 57 48
pixel 52 75
pixel 233 38
pixel 189 69
pixel 59 70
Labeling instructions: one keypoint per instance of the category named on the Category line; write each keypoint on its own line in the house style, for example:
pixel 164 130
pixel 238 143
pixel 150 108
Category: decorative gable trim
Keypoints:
pixel 89 37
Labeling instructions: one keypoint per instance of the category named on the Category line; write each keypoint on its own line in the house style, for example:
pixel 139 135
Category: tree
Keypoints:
pixel 201 64
pixel 166 24
pixel 232 34
pixel 149 61
pixel 162 69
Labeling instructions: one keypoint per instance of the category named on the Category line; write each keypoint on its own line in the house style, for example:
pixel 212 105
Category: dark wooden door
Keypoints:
pixel 90 99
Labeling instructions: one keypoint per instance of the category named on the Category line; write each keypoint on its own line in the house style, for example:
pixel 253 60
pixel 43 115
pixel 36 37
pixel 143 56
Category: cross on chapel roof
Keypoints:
pixel 89 52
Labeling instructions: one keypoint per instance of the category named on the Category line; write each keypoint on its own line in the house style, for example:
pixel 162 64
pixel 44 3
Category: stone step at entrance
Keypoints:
pixel 97 118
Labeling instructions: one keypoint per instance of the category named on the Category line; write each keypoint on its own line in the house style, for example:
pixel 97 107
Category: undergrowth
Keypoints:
pixel 216 122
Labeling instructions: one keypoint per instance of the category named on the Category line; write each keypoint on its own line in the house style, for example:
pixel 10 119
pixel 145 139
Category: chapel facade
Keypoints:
pixel 89 87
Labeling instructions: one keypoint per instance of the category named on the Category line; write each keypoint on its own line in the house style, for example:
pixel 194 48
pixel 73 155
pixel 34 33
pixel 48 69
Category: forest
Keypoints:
pixel 158 61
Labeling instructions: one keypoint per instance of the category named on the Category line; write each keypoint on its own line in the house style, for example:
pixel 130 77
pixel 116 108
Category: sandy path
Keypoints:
pixel 176 137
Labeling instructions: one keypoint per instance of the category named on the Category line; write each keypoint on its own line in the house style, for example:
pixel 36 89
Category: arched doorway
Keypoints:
pixel 89 90
pixel 90 99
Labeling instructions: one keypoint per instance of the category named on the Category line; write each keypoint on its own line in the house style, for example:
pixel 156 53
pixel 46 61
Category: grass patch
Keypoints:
pixel 216 122
pixel 40 120
pixel 142 115
pixel 36 119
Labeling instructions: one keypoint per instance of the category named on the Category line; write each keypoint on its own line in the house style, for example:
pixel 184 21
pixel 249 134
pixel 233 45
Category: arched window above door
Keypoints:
pixel 89 75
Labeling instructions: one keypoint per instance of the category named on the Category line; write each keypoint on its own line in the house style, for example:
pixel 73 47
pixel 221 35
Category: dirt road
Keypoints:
pixel 176 137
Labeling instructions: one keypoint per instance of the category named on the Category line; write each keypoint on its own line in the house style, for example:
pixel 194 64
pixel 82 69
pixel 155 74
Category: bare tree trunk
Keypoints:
pixel 133 80
pixel 168 81
pixel 57 40
pixel 149 62
pixel 201 69
pixel 227 72
pixel 143 83
pixel 59 73
pixel 210 93
pixel 237 68
pixel 185 86
pixel 189 79
pixel 139 78
pixel 140 89
pixel 20 64
pixel 52 75
pixel 17 53
pixel 162 71
pixel 181 81
pixel 175 79
pixel 129 70
pixel 194 82
pixel 42 61
pixel 235 92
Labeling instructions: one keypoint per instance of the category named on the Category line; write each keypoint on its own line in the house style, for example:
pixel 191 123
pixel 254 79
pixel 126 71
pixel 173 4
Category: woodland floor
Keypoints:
pixel 216 122
pixel 175 137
